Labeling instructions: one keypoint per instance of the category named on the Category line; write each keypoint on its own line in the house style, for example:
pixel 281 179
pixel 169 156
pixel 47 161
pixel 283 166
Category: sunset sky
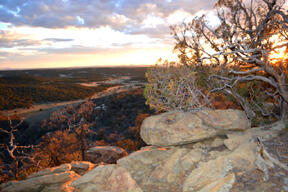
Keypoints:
pixel 76 33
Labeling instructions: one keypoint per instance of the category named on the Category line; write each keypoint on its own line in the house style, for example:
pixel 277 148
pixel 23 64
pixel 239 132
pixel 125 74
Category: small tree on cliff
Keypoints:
pixel 14 151
pixel 247 49
pixel 76 120
pixel 79 123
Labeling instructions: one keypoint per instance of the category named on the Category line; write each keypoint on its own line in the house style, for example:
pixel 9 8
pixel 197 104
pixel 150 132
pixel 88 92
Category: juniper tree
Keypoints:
pixel 247 48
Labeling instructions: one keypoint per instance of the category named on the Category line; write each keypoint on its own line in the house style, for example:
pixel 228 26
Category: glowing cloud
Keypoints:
pixel 80 33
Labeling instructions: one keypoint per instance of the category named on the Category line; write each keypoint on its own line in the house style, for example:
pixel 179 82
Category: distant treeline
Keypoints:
pixel 24 91
pixel 93 74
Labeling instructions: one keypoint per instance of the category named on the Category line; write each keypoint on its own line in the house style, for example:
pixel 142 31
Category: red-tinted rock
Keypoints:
pixel 105 154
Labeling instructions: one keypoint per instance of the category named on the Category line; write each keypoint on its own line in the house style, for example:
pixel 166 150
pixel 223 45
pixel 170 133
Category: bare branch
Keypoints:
pixel 4 131
pixel 246 72
pixel 255 77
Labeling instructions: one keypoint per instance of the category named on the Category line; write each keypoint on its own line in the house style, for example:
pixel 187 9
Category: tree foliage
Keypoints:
pixel 24 91
pixel 173 86
pixel 57 148
pixel 246 50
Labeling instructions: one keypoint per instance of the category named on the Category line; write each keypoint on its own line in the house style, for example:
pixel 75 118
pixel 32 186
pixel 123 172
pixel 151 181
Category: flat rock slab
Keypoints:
pixel 105 154
pixel 54 170
pixel 107 178
pixel 36 184
pixel 216 173
pixel 178 128
pixel 161 169
pixel 82 167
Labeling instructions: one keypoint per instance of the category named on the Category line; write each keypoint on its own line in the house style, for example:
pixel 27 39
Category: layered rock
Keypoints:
pixel 186 169
pixel 215 170
pixel 107 178
pixel 160 169
pixel 178 128
pixel 188 160
pixel 237 138
pixel 105 154
pixel 81 167
pixel 51 179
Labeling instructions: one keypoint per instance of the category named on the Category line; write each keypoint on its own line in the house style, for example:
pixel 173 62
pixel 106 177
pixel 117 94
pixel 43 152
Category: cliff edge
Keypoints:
pixel 207 151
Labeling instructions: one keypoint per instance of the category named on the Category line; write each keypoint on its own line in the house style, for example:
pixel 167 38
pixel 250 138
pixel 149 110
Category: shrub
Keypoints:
pixel 57 148
pixel 172 86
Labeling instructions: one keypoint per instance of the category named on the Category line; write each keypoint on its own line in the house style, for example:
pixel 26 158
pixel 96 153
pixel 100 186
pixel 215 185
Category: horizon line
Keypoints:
pixel 78 67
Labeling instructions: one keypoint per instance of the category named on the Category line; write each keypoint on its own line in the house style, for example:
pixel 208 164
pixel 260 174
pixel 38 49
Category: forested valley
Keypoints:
pixel 25 90
pixel 113 120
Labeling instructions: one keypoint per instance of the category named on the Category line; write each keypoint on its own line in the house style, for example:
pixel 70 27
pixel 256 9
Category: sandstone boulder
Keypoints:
pixel 107 178
pixel 221 185
pixel 52 179
pixel 216 173
pixel 54 170
pixel 237 138
pixel 81 167
pixel 210 143
pixel 202 159
pixel 161 169
pixel 105 154
pixel 141 163
pixel 177 128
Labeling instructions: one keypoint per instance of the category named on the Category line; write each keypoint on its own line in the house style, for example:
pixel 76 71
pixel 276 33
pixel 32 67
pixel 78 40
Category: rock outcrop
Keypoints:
pixel 105 154
pixel 81 167
pixel 51 179
pixel 107 178
pixel 178 128
pixel 204 162
pixel 159 169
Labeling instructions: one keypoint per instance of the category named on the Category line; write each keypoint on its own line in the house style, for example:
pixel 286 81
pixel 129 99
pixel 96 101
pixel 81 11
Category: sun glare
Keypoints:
pixel 279 54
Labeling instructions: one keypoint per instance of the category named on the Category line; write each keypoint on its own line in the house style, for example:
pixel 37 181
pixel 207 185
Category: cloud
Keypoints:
pixel 57 40
pixel 10 40
pixel 120 15
pixel 76 49
pixel 4 54
pixel 41 28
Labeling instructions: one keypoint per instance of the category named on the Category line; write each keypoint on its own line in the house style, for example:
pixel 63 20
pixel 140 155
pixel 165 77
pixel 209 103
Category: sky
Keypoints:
pixel 81 33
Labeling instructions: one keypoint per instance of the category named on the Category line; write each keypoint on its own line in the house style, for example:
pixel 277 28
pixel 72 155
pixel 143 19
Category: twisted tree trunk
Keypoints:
pixel 284 111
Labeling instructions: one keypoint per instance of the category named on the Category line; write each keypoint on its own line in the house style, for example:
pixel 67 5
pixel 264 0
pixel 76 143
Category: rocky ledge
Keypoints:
pixel 204 151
